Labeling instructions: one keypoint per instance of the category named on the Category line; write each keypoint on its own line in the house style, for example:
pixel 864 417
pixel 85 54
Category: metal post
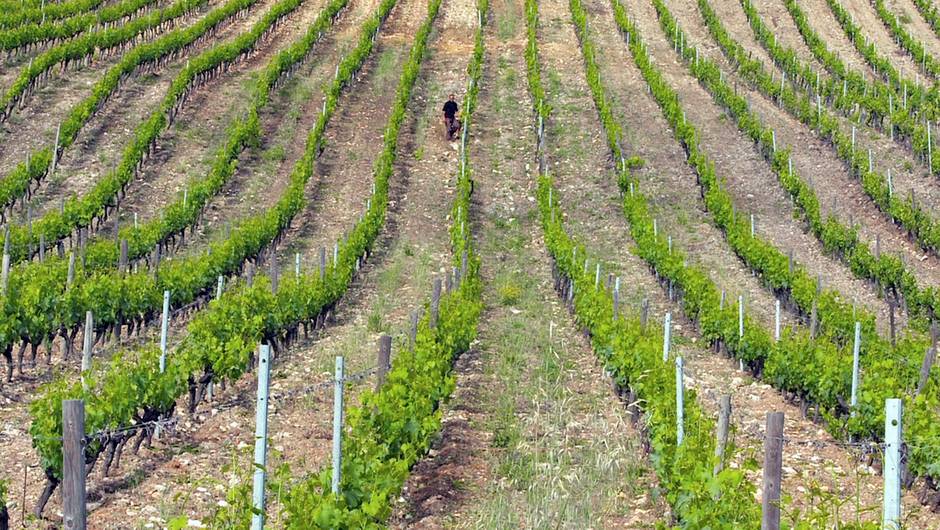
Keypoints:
pixel 219 286
pixel 164 329
pixel 89 340
pixel 5 280
pixel 680 405
pixel 597 276
pixel 741 315
pixel 261 438
pixel 337 426
pixel 777 320
pixel 435 303
pixel 297 264
pixel 73 464
pixel 667 335
pixel 773 470
pixel 855 351
pixel 892 465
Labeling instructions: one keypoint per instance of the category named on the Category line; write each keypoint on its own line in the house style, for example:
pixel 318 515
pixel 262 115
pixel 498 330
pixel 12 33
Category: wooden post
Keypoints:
pixel 70 276
pixel 813 320
pixel 164 329
pixel 724 422
pixel 122 265
pixel 891 519
pixel 929 359
pixel 73 465
pixel 384 358
pixel 680 403
pixel 856 348
pixel 337 426
pixel 644 313
pixel 435 302
pixel 891 322
pixel 773 471
pixel 667 331
pixel 261 438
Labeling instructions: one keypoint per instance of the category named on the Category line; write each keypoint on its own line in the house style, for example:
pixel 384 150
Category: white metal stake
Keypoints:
pixel 655 229
pixel 929 148
pixel 88 341
pixel 261 438
pixel 335 253
pixel 164 328
pixel 680 405
pixel 777 320
pixel 740 315
pixel 853 140
pixel 892 465
pixel 890 184
pixel 597 276
pixel 337 425
pixel 297 264
pixel 667 335
pixel 752 225
pixel 855 351
pixel 870 165
pixel 218 287
pixel 773 138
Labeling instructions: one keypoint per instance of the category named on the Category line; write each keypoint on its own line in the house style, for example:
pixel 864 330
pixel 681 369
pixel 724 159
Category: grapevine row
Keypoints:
pixel 108 191
pixel 632 353
pixel 814 370
pixel 39 163
pixel 929 11
pixel 83 49
pixel 907 41
pixel 51 281
pixel 878 62
pixel 848 90
pixel 11 18
pixel 131 389
pixel 885 270
pixel 36 33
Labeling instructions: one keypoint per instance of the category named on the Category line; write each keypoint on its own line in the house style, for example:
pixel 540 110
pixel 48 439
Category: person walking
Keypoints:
pixel 451 123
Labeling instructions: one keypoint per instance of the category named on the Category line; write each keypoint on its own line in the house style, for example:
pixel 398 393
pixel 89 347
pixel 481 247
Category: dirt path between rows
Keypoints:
pixel 526 441
pixel 34 126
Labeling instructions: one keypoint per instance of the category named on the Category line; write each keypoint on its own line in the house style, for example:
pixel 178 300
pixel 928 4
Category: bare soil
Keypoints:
pixel 825 25
pixel 464 483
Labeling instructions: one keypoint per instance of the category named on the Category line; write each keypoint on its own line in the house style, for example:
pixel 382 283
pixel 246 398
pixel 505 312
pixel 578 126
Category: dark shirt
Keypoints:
pixel 450 109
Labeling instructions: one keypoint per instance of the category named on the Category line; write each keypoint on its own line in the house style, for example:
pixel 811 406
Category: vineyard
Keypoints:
pixel 679 266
